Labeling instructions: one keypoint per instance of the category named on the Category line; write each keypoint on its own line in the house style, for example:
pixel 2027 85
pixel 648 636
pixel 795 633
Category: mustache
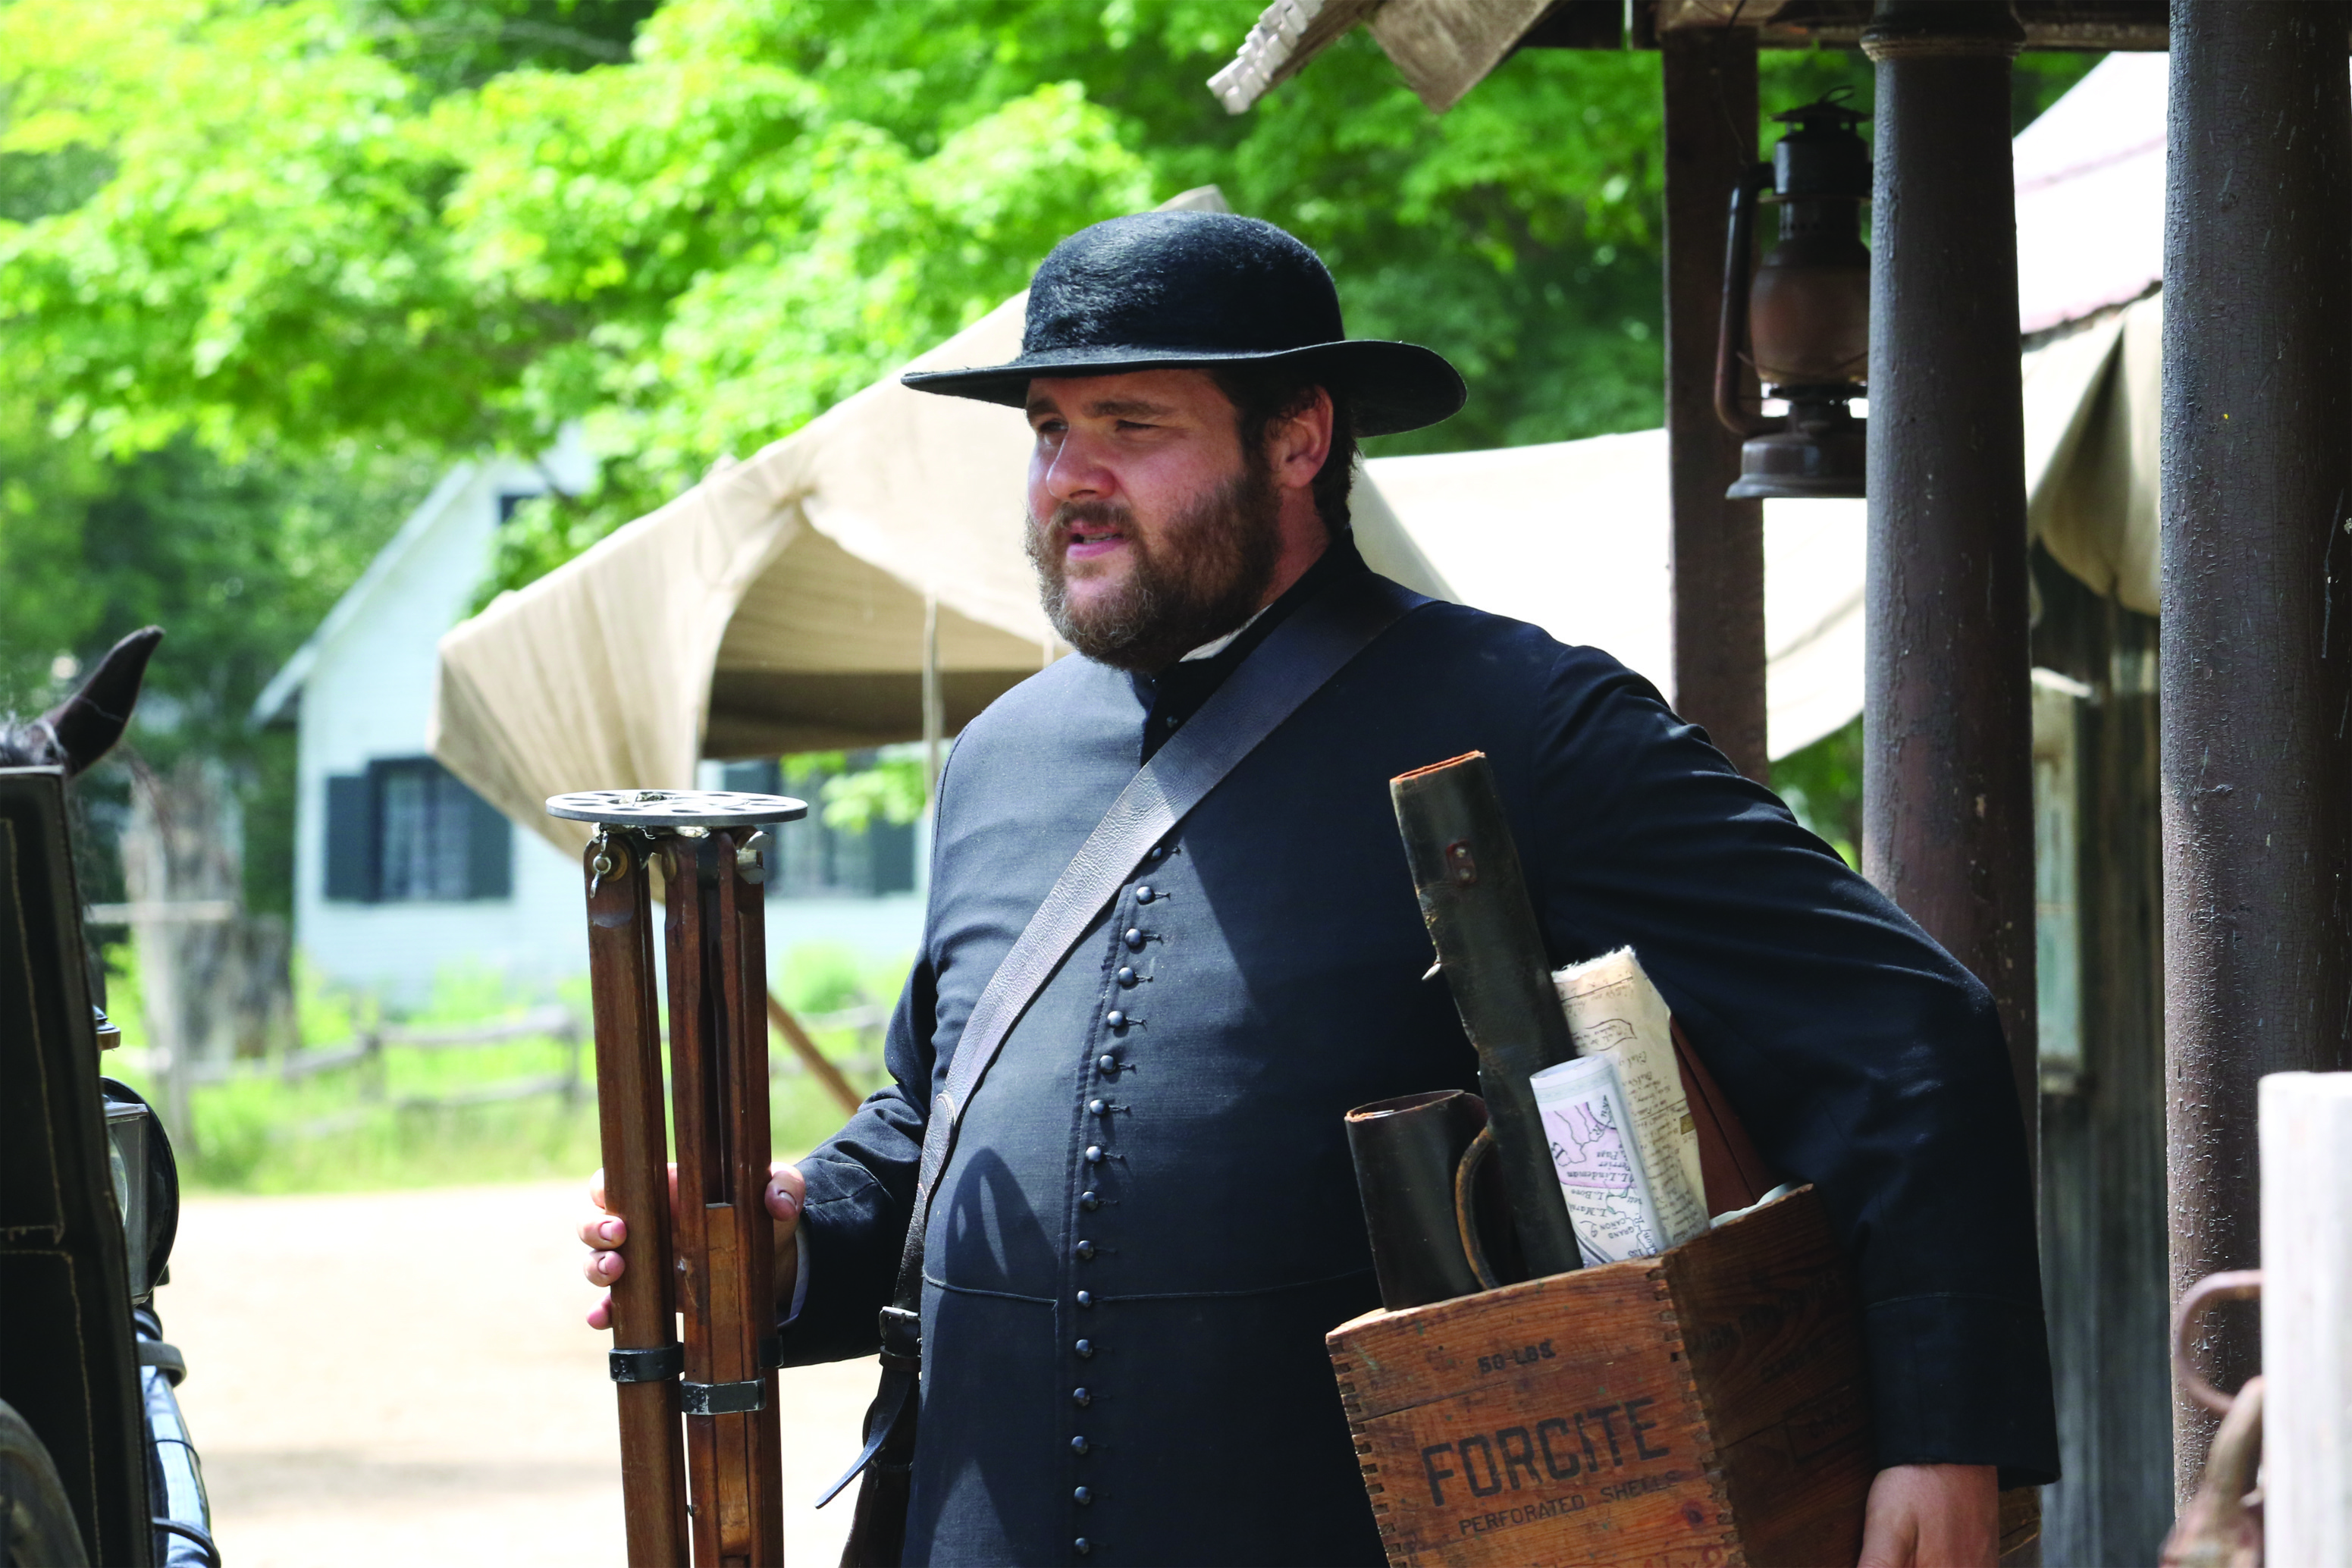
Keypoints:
pixel 1071 513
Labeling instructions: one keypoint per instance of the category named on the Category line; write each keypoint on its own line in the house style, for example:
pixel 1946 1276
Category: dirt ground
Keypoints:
pixel 404 1378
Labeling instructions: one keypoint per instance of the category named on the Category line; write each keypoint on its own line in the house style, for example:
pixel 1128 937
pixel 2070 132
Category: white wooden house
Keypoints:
pixel 402 873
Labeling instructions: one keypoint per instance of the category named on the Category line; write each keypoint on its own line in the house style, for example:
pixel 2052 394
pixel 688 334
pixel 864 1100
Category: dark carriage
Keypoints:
pixel 95 1464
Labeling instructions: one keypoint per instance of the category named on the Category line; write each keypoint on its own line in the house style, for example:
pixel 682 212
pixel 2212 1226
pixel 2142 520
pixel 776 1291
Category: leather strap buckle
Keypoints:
pixel 902 1333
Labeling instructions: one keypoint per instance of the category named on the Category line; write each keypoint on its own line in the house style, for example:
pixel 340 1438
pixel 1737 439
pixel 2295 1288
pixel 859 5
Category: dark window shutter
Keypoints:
pixel 761 777
pixel 351 839
pixel 894 856
pixel 490 850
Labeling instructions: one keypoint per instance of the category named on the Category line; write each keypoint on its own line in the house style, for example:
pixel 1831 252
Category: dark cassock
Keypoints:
pixel 1150 1220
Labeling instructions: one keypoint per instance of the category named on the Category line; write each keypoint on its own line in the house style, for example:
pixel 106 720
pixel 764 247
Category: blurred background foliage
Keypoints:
pixel 267 266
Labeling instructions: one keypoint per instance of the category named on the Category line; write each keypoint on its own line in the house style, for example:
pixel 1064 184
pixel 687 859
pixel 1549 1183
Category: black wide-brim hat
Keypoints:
pixel 1195 290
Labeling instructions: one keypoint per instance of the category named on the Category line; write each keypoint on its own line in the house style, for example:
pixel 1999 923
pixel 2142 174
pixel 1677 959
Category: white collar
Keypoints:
pixel 1211 649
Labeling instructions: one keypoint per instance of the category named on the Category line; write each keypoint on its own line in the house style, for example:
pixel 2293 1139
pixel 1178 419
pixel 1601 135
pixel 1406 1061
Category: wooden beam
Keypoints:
pixel 2100 25
pixel 1718 545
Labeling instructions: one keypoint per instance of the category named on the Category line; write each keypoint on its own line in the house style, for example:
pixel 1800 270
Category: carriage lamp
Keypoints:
pixel 146 1183
pixel 1804 320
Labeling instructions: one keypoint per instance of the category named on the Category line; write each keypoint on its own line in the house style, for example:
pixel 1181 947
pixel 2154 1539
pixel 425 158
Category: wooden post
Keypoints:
pixel 2257 650
pixel 1947 791
pixel 629 1113
pixel 1718 544
pixel 2306 1155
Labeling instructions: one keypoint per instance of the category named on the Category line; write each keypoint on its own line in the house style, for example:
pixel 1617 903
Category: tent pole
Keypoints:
pixel 934 715
pixel 2257 653
pixel 1947 785
pixel 1718 545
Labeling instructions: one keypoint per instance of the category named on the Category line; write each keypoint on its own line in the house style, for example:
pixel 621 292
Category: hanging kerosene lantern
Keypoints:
pixel 1807 310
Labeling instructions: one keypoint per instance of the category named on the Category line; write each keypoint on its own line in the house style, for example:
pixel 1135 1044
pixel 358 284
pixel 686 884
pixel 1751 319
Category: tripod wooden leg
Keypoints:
pixel 719 1094
pixel 744 925
pixel 629 1110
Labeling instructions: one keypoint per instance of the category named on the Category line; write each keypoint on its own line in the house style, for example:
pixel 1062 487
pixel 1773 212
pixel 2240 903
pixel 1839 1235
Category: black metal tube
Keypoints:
pixel 1718 544
pixel 2257 621
pixel 1406 1153
pixel 1947 791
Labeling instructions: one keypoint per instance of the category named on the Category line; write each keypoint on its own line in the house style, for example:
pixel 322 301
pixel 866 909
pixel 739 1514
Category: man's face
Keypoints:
pixel 1151 529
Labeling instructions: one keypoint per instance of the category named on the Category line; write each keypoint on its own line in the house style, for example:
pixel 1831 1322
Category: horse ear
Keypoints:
pixel 88 723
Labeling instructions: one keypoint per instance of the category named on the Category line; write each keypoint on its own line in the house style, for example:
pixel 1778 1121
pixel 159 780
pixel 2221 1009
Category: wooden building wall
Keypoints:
pixel 2103 1169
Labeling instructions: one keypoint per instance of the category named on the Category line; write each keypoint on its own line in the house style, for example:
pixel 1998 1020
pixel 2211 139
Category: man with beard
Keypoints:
pixel 1149 1218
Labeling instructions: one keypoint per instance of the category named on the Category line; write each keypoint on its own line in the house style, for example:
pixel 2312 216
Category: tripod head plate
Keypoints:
pixel 669 810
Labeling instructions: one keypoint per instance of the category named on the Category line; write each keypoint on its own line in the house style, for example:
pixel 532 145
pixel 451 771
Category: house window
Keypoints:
pixel 511 502
pixel 813 860
pixel 407 831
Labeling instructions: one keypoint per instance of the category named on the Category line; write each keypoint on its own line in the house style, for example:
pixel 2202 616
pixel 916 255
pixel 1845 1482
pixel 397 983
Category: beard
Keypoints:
pixel 1205 575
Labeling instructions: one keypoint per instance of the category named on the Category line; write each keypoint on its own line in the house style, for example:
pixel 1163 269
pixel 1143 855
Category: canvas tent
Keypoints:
pixel 2090 255
pixel 782 604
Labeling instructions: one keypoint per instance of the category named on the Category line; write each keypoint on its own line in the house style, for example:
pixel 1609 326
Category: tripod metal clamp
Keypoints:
pixel 722 1398
pixel 649 1364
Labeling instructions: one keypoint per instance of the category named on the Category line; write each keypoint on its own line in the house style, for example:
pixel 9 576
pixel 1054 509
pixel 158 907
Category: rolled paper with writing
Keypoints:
pixel 1601 1181
pixel 1613 1011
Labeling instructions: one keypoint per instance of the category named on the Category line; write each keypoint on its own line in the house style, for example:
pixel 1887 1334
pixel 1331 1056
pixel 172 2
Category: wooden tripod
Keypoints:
pixel 722 1378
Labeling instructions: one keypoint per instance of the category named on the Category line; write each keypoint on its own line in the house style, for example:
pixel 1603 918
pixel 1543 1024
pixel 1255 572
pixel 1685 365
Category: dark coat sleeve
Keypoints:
pixel 861 1186
pixel 1861 1057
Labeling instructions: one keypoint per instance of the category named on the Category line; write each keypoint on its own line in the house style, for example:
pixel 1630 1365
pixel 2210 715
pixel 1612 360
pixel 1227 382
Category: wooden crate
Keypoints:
pixel 1705 1407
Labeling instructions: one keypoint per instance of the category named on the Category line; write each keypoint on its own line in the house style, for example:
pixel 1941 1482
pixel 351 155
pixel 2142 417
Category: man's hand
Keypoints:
pixel 602 1231
pixel 1933 1516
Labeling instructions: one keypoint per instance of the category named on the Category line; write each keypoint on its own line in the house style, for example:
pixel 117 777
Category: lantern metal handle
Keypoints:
pixel 1730 346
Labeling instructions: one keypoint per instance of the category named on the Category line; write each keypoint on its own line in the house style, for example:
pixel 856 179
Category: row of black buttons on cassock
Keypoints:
pixel 1107 1065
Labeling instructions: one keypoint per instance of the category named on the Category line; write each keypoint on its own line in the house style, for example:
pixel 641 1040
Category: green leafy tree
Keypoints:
pixel 887 789
pixel 445 224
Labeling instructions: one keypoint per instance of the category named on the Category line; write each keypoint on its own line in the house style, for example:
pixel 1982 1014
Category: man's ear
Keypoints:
pixel 1297 443
pixel 88 723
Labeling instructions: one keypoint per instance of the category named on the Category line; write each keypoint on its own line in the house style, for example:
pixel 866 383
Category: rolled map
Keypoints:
pixel 1610 1203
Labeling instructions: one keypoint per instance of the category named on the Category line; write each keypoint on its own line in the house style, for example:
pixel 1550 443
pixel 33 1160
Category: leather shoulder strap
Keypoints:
pixel 1315 643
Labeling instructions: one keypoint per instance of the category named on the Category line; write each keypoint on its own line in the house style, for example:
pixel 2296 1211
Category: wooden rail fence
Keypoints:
pixel 365 1056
